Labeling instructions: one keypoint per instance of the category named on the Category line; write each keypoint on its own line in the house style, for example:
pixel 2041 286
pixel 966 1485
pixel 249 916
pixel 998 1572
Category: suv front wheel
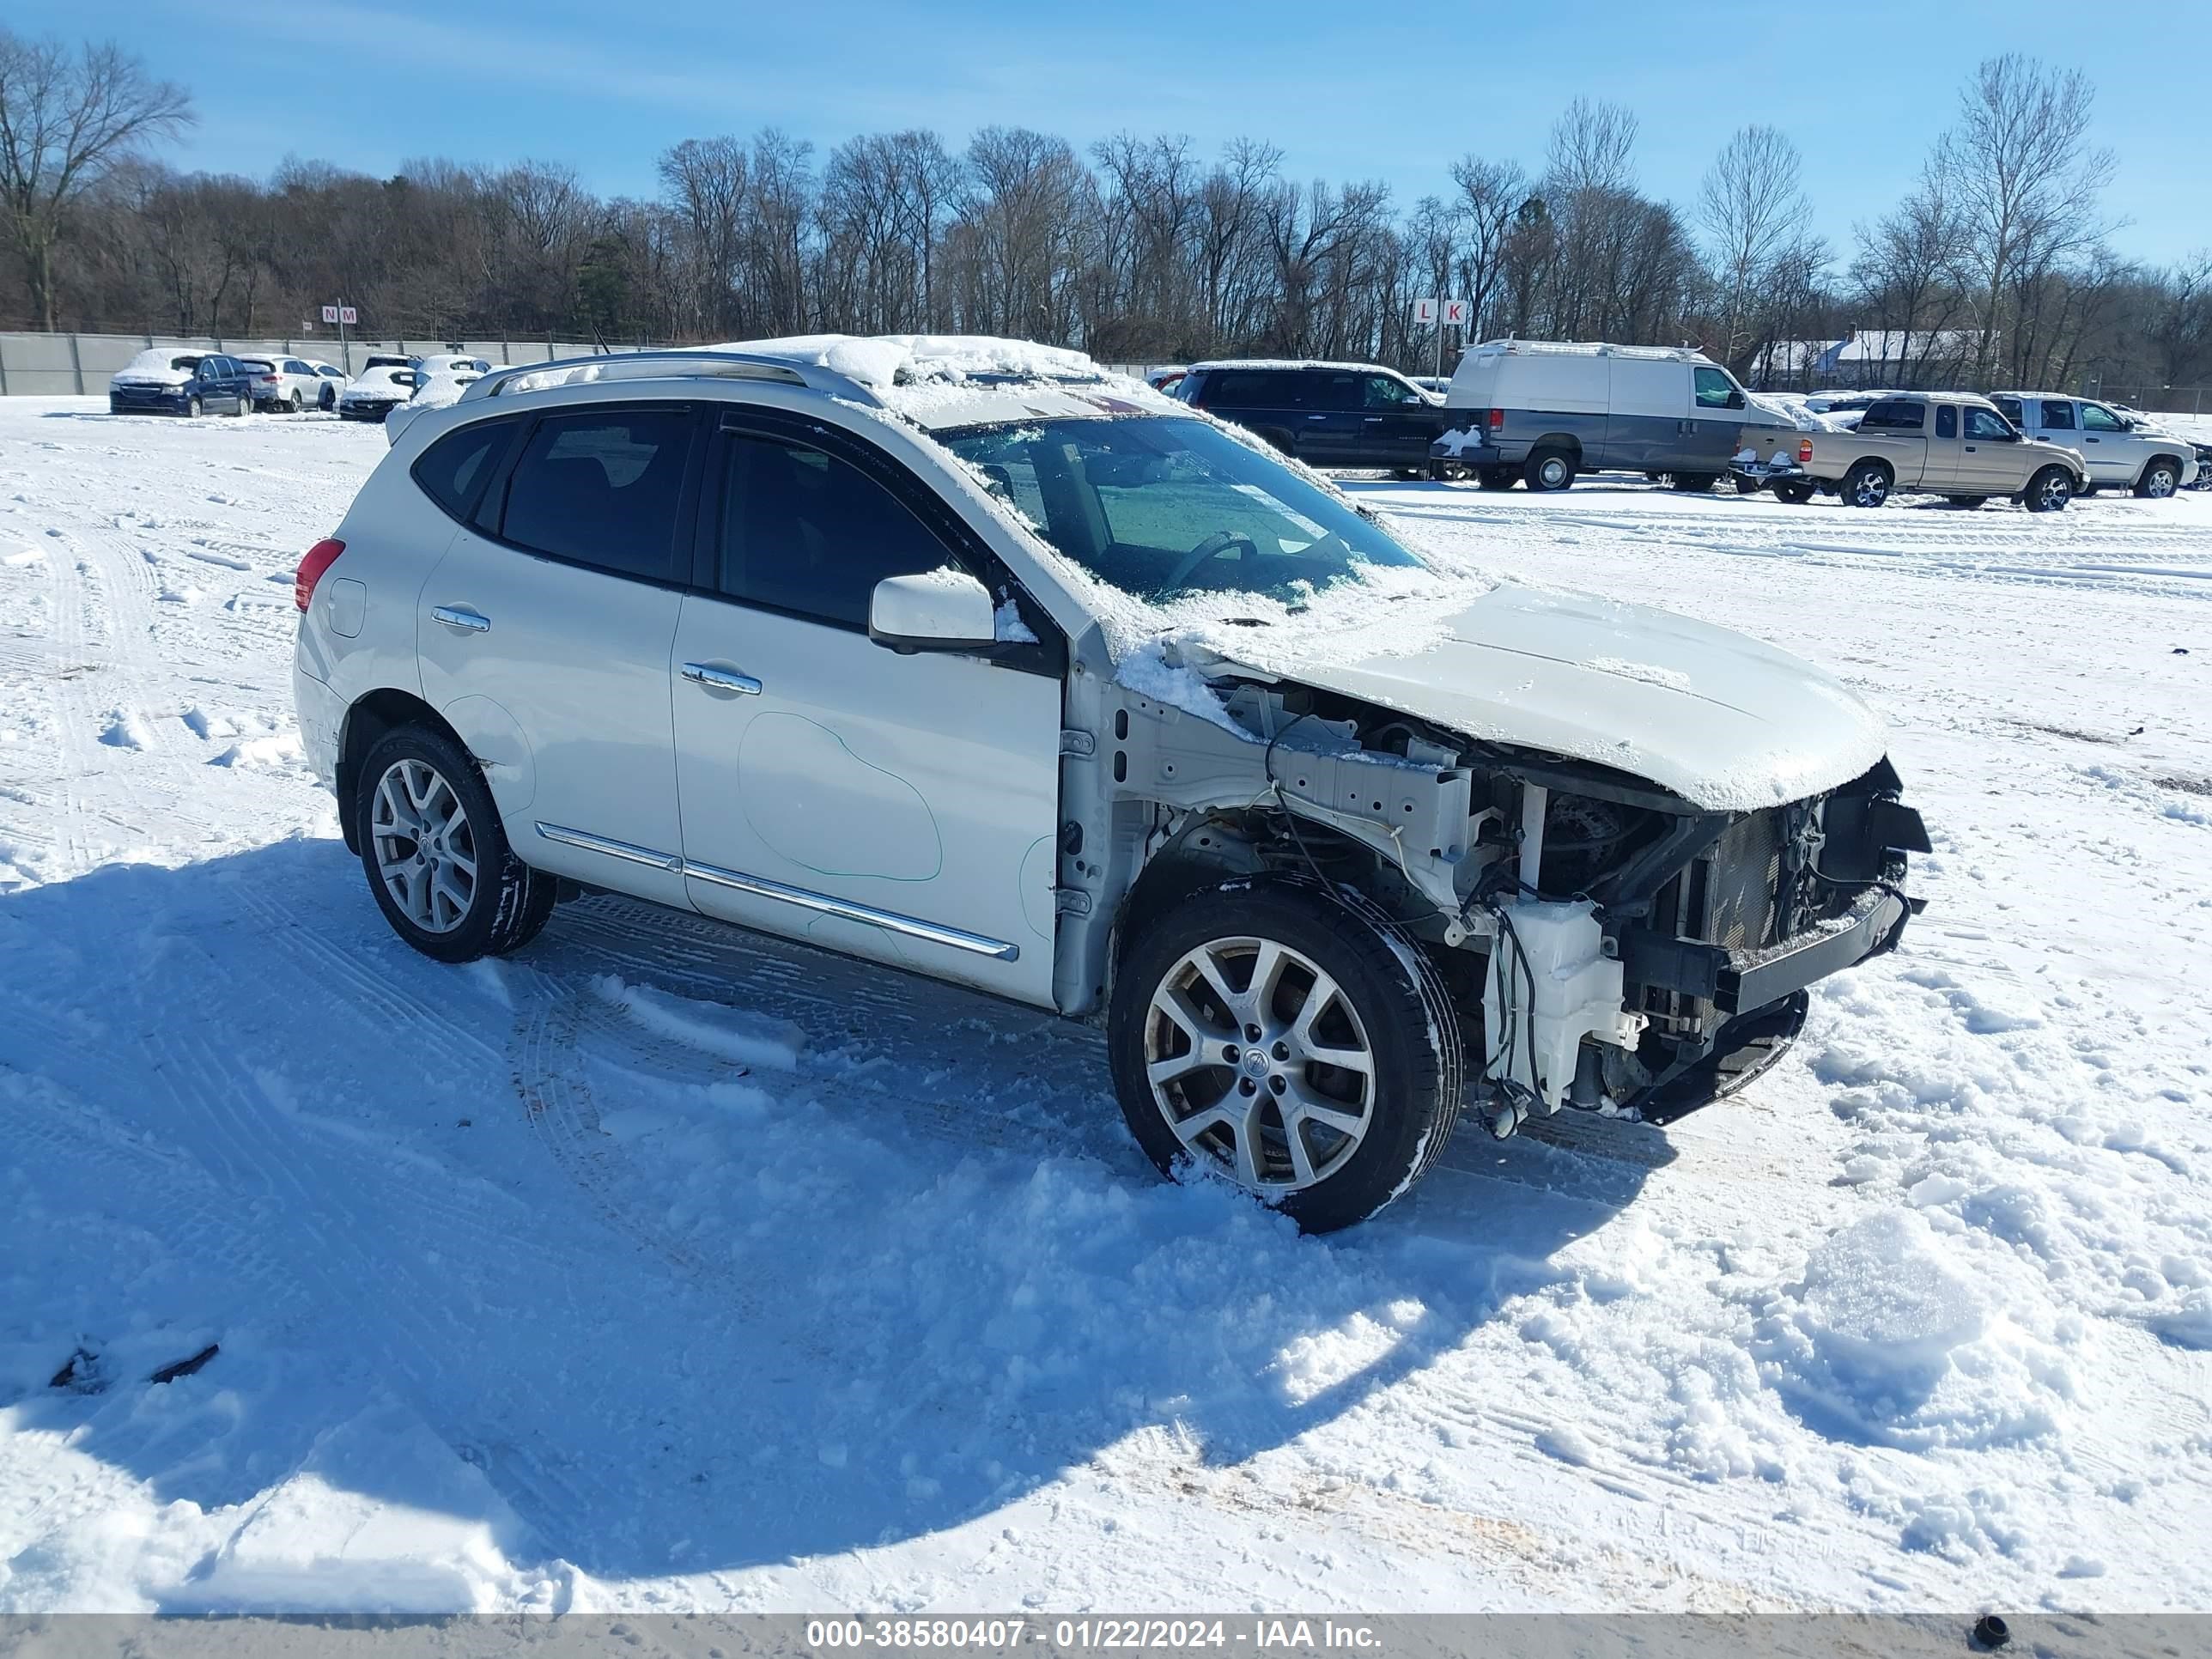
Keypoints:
pixel 1289 1039
pixel 437 858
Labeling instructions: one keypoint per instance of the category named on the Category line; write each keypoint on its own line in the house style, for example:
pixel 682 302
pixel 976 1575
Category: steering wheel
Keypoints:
pixel 1219 542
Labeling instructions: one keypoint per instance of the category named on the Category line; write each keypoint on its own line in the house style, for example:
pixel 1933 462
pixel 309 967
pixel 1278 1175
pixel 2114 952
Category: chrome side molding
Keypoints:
pixel 892 921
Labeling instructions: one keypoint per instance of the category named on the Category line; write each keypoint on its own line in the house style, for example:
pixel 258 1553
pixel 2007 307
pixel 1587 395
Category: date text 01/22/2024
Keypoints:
pixel 1096 1634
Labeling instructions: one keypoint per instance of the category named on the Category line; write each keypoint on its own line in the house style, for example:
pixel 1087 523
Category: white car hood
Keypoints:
pixel 1726 723
pixel 151 377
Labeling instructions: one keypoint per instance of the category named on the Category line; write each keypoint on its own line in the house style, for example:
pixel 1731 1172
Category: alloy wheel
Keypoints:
pixel 426 851
pixel 2160 484
pixel 1259 1064
pixel 2056 491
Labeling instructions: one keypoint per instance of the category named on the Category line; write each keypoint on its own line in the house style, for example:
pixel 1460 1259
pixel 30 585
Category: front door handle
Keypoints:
pixel 721 679
pixel 1316 417
pixel 461 619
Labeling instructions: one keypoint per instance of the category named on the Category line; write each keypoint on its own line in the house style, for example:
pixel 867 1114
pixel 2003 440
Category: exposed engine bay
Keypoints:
pixel 1610 946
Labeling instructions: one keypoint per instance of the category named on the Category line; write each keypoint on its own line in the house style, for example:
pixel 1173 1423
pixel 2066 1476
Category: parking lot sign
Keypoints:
pixel 1458 313
pixel 1425 311
pixel 347 316
pixel 330 313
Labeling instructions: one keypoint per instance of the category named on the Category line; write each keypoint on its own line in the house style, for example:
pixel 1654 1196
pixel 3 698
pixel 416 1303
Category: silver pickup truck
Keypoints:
pixel 1949 444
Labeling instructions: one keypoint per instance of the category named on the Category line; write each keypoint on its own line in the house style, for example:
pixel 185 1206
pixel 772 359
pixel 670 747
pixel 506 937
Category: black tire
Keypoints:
pixel 1549 470
pixel 2160 480
pixel 292 403
pixel 1408 474
pixel 1796 491
pixel 1867 484
pixel 1412 1032
pixel 1496 478
pixel 509 902
pixel 1969 502
pixel 194 408
pixel 327 399
pixel 1693 483
pixel 2049 490
pixel 1440 471
pixel 2086 490
pixel 243 408
pixel 1747 485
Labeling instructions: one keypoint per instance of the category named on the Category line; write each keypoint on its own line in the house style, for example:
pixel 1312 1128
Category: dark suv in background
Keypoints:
pixel 1347 415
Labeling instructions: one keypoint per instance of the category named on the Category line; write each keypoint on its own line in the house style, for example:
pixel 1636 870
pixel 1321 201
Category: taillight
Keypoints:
pixel 320 558
pixel 1804 450
pixel 1497 418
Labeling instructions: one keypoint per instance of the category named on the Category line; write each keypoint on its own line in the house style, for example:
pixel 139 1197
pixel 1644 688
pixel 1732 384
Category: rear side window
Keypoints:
pixel 601 490
pixel 1327 391
pixel 2057 416
pixel 807 532
pixel 1947 420
pixel 1895 414
pixel 1248 388
pixel 452 470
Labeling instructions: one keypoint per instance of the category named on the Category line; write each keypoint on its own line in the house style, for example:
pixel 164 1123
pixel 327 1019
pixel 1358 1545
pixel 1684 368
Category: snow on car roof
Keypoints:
pixel 1293 362
pixel 1587 349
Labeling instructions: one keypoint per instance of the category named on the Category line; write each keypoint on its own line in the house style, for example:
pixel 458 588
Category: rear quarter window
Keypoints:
pixel 453 472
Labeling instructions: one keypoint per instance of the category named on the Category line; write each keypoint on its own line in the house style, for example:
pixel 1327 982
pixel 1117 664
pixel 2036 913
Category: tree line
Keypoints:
pixel 1995 265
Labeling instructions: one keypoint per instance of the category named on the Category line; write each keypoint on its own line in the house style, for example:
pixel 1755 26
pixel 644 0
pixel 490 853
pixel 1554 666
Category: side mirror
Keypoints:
pixel 939 610
pixel 1736 400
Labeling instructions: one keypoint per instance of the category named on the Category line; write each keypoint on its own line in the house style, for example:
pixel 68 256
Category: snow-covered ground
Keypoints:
pixel 664 1267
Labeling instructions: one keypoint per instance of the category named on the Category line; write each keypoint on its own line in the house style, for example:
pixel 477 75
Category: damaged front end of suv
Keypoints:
pixel 1608 939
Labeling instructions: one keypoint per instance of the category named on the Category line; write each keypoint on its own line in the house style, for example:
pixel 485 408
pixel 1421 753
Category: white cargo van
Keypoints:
pixel 1544 411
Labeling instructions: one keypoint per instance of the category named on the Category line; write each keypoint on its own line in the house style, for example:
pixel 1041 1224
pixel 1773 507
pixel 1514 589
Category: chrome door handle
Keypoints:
pixel 1372 420
pixel 721 679
pixel 461 618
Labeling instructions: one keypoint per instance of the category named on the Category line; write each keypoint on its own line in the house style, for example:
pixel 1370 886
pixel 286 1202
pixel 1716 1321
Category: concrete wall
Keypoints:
pixel 61 365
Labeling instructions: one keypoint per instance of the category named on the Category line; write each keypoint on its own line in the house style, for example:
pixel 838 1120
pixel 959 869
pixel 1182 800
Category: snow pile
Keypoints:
pixel 1882 1341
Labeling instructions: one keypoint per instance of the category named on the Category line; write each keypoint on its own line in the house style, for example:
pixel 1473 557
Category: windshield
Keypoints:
pixel 1164 507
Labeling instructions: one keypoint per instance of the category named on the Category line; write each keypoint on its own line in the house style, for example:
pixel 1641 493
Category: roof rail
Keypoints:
pixel 666 365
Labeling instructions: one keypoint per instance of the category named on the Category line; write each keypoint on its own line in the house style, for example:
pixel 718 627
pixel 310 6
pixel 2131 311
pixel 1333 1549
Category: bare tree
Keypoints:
pixel 1756 219
pixel 2023 176
pixel 1491 194
pixel 66 120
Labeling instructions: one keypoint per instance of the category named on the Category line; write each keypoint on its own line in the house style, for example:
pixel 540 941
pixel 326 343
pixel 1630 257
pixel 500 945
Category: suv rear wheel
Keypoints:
pixel 1289 1039
pixel 437 860
pixel 1549 470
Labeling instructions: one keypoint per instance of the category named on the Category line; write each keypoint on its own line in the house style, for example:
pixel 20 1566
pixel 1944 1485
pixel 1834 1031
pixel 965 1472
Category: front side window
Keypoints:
pixel 1947 420
pixel 2097 418
pixel 2057 416
pixel 1383 392
pixel 603 489
pixel 1715 389
pixel 1160 508
pixel 1989 424
pixel 808 532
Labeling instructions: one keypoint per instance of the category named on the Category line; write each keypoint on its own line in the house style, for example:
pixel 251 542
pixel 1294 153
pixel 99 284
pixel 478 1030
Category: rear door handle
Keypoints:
pixel 721 679
pixel 461 619
pixel 1316 417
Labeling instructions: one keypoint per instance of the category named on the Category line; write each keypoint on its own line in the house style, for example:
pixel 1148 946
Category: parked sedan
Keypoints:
pixel 378 390
pixel 165 381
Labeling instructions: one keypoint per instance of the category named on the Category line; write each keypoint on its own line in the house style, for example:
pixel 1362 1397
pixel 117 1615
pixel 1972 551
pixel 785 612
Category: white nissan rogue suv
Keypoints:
pixel 964 656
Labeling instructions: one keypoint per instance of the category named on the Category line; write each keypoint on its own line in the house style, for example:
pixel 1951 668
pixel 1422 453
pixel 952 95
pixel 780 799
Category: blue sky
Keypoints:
pixel 1345 89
